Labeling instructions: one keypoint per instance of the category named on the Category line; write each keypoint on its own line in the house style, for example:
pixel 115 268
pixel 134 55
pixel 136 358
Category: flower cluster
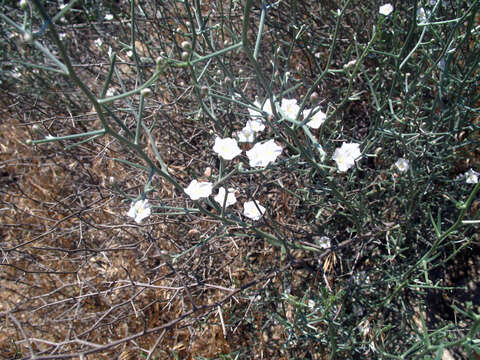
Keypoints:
pixel 266 152
pixel 110 92
pixel 197 190
pixel 260 155
pixel 256 124
pixel 289 108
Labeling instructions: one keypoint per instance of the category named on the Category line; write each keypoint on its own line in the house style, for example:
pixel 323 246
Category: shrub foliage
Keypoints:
pixel 108 103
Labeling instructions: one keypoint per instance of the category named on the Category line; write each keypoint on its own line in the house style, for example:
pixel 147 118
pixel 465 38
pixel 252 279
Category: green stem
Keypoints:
pixel 70 70
pixel 139 119
pixel 329 60
pixel 132 92
pixel 69 137
pixel 62 12
pixel 436 243
pixel 113 59
pixel 260 30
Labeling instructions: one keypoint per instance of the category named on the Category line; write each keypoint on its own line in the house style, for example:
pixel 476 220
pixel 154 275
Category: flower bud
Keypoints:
pixel 314 97
pixel 28 37
pixel 186 45
pixel 160 61
pixel 146 92
pixel 185 55
pixel 36 128
pixel 350 64
pixel 28 141
pixel 193 233
pixel 23 4
pixel 208 172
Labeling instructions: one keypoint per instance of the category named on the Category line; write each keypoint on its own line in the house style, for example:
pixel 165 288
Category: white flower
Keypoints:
pixel 256 125
pixel 98 42
pixel 139 210
pixel 108 17
pixel 253 210
pixel 471 177
pixel 110 92
pixel 346 155
pixel 197 190
pixel 422 15
pixel 441 64
pixel 290 108
pixel 402 164
pixel 254 113
pixel 264 153
pixel 386 9
pixel 317 119
pixel 350 64
pixel 361 278
pixel 129 53
pixel 220 197
pixel 15 73
pixel 226 148
pixel 62 36
pixel 323 242
pixel 311 303
pixel 267 107
pixel 247 134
